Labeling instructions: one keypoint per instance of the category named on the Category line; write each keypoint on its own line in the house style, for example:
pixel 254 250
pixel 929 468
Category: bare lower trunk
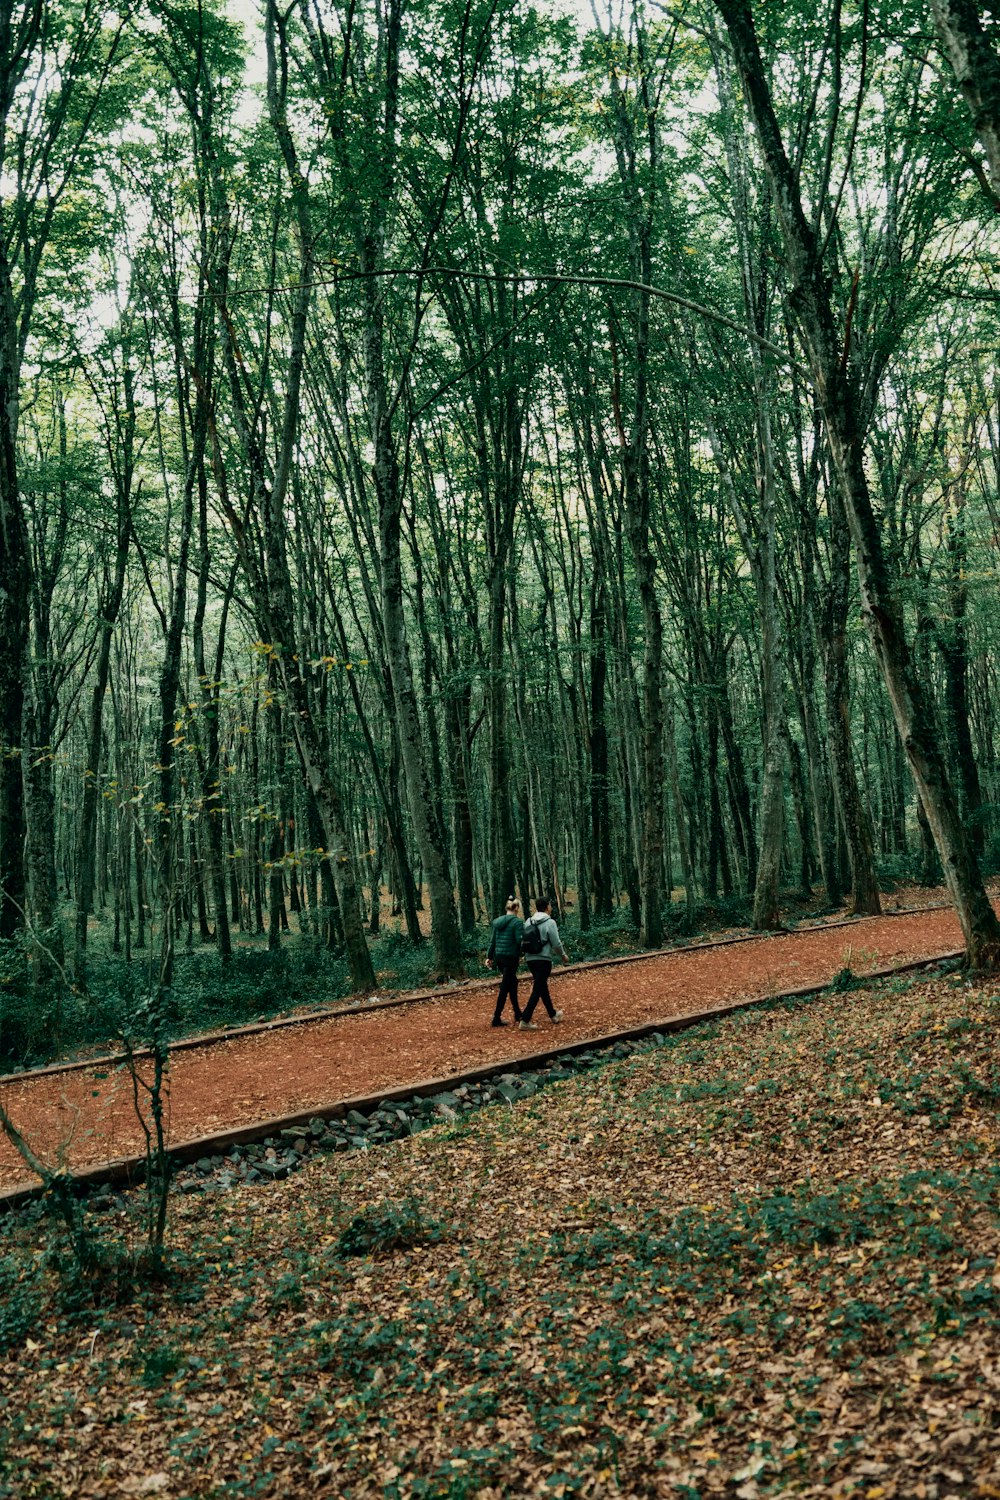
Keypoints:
pixel 865 897
pixel 15 573
pixel 445 933
pixel 498 696
pixel 40 848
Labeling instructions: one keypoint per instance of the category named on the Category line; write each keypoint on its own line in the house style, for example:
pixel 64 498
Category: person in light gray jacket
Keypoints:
pixel 540 962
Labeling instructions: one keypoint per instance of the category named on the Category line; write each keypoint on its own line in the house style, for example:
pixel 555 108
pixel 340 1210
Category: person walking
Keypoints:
pixel 505 954
pixel 540 944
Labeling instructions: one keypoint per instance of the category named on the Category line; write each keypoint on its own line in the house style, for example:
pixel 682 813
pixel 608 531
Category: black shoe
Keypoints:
pixel 499 1023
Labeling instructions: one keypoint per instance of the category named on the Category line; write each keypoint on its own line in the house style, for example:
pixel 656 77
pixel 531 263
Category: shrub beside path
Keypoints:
pixel 87 1116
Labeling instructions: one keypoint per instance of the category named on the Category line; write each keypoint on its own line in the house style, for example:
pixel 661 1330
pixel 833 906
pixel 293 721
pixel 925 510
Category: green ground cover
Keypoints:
pixel 759 1260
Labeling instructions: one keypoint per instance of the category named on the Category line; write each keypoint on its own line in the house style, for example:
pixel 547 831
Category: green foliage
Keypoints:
pixel 159 1364
pixel 27 1021
pixel 843 981
pixel 21 1298
pixel 388 1226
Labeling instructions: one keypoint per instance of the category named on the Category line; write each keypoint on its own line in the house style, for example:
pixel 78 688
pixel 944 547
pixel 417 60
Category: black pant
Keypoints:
pixel 540 971
pixel 508 986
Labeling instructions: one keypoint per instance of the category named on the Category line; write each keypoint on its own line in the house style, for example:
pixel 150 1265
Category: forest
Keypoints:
pixel 464 448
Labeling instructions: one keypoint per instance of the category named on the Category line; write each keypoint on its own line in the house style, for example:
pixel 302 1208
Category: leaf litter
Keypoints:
pixel 761 1259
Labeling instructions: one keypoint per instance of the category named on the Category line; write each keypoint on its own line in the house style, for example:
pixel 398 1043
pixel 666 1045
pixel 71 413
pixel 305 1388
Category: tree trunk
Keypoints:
pixel 273 583
pixel 836 392
pixel 445 932
pixel 977 73
pixel 15 580
pixel 953 643
pixel 865 897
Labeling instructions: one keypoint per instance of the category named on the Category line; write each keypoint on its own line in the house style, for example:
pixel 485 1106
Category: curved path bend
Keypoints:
pixel 86 1115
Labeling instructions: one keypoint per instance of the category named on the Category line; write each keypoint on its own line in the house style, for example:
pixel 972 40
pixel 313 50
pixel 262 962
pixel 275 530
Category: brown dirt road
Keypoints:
pixel 87 1116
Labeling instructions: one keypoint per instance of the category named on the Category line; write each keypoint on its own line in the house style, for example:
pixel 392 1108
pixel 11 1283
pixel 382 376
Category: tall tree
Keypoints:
pixel 56 60
pixel 836 390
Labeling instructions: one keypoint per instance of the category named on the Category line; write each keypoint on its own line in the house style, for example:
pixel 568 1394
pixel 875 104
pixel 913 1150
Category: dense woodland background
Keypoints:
pixel 431 441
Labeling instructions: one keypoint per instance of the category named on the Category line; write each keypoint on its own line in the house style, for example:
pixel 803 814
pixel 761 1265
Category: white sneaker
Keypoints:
pixel 527 1026
pixel 557 1018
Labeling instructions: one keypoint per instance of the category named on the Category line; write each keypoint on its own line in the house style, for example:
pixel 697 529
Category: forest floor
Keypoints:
pixel 761 1259
pixel 85 1116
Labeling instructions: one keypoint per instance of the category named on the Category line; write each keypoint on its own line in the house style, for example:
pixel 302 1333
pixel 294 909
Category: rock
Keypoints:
pixel 316 1127
pixel 447 1113
pixel 270 1154
pixel 526 1090
pixel 508 1091
pixel 190 1185
pixel 301 1146
pixel 275 1169
pixel 355 1117
pixel 358 1143
pixel 204 1166
pixel 342 1144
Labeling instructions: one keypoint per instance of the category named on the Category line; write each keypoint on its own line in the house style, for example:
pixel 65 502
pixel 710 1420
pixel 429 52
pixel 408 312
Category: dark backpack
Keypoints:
pixel 532 941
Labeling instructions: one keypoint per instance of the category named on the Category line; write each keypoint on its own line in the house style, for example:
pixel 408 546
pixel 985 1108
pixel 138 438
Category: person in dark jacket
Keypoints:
pixel 505 955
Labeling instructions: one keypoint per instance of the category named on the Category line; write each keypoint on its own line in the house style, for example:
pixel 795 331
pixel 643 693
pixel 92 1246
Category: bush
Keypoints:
pixel 893 870
pixel 159 1364
pixel 388 1226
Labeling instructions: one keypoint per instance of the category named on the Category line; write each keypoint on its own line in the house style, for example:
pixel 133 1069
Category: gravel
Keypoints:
pixel 275 1157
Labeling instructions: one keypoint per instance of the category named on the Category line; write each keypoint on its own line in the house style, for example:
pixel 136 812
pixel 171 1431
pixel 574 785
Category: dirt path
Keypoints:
pixel 87 1116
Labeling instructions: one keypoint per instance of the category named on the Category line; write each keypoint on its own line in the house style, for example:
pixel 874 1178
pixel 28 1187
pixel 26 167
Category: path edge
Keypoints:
pixel 443 992
pixel 129 1170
